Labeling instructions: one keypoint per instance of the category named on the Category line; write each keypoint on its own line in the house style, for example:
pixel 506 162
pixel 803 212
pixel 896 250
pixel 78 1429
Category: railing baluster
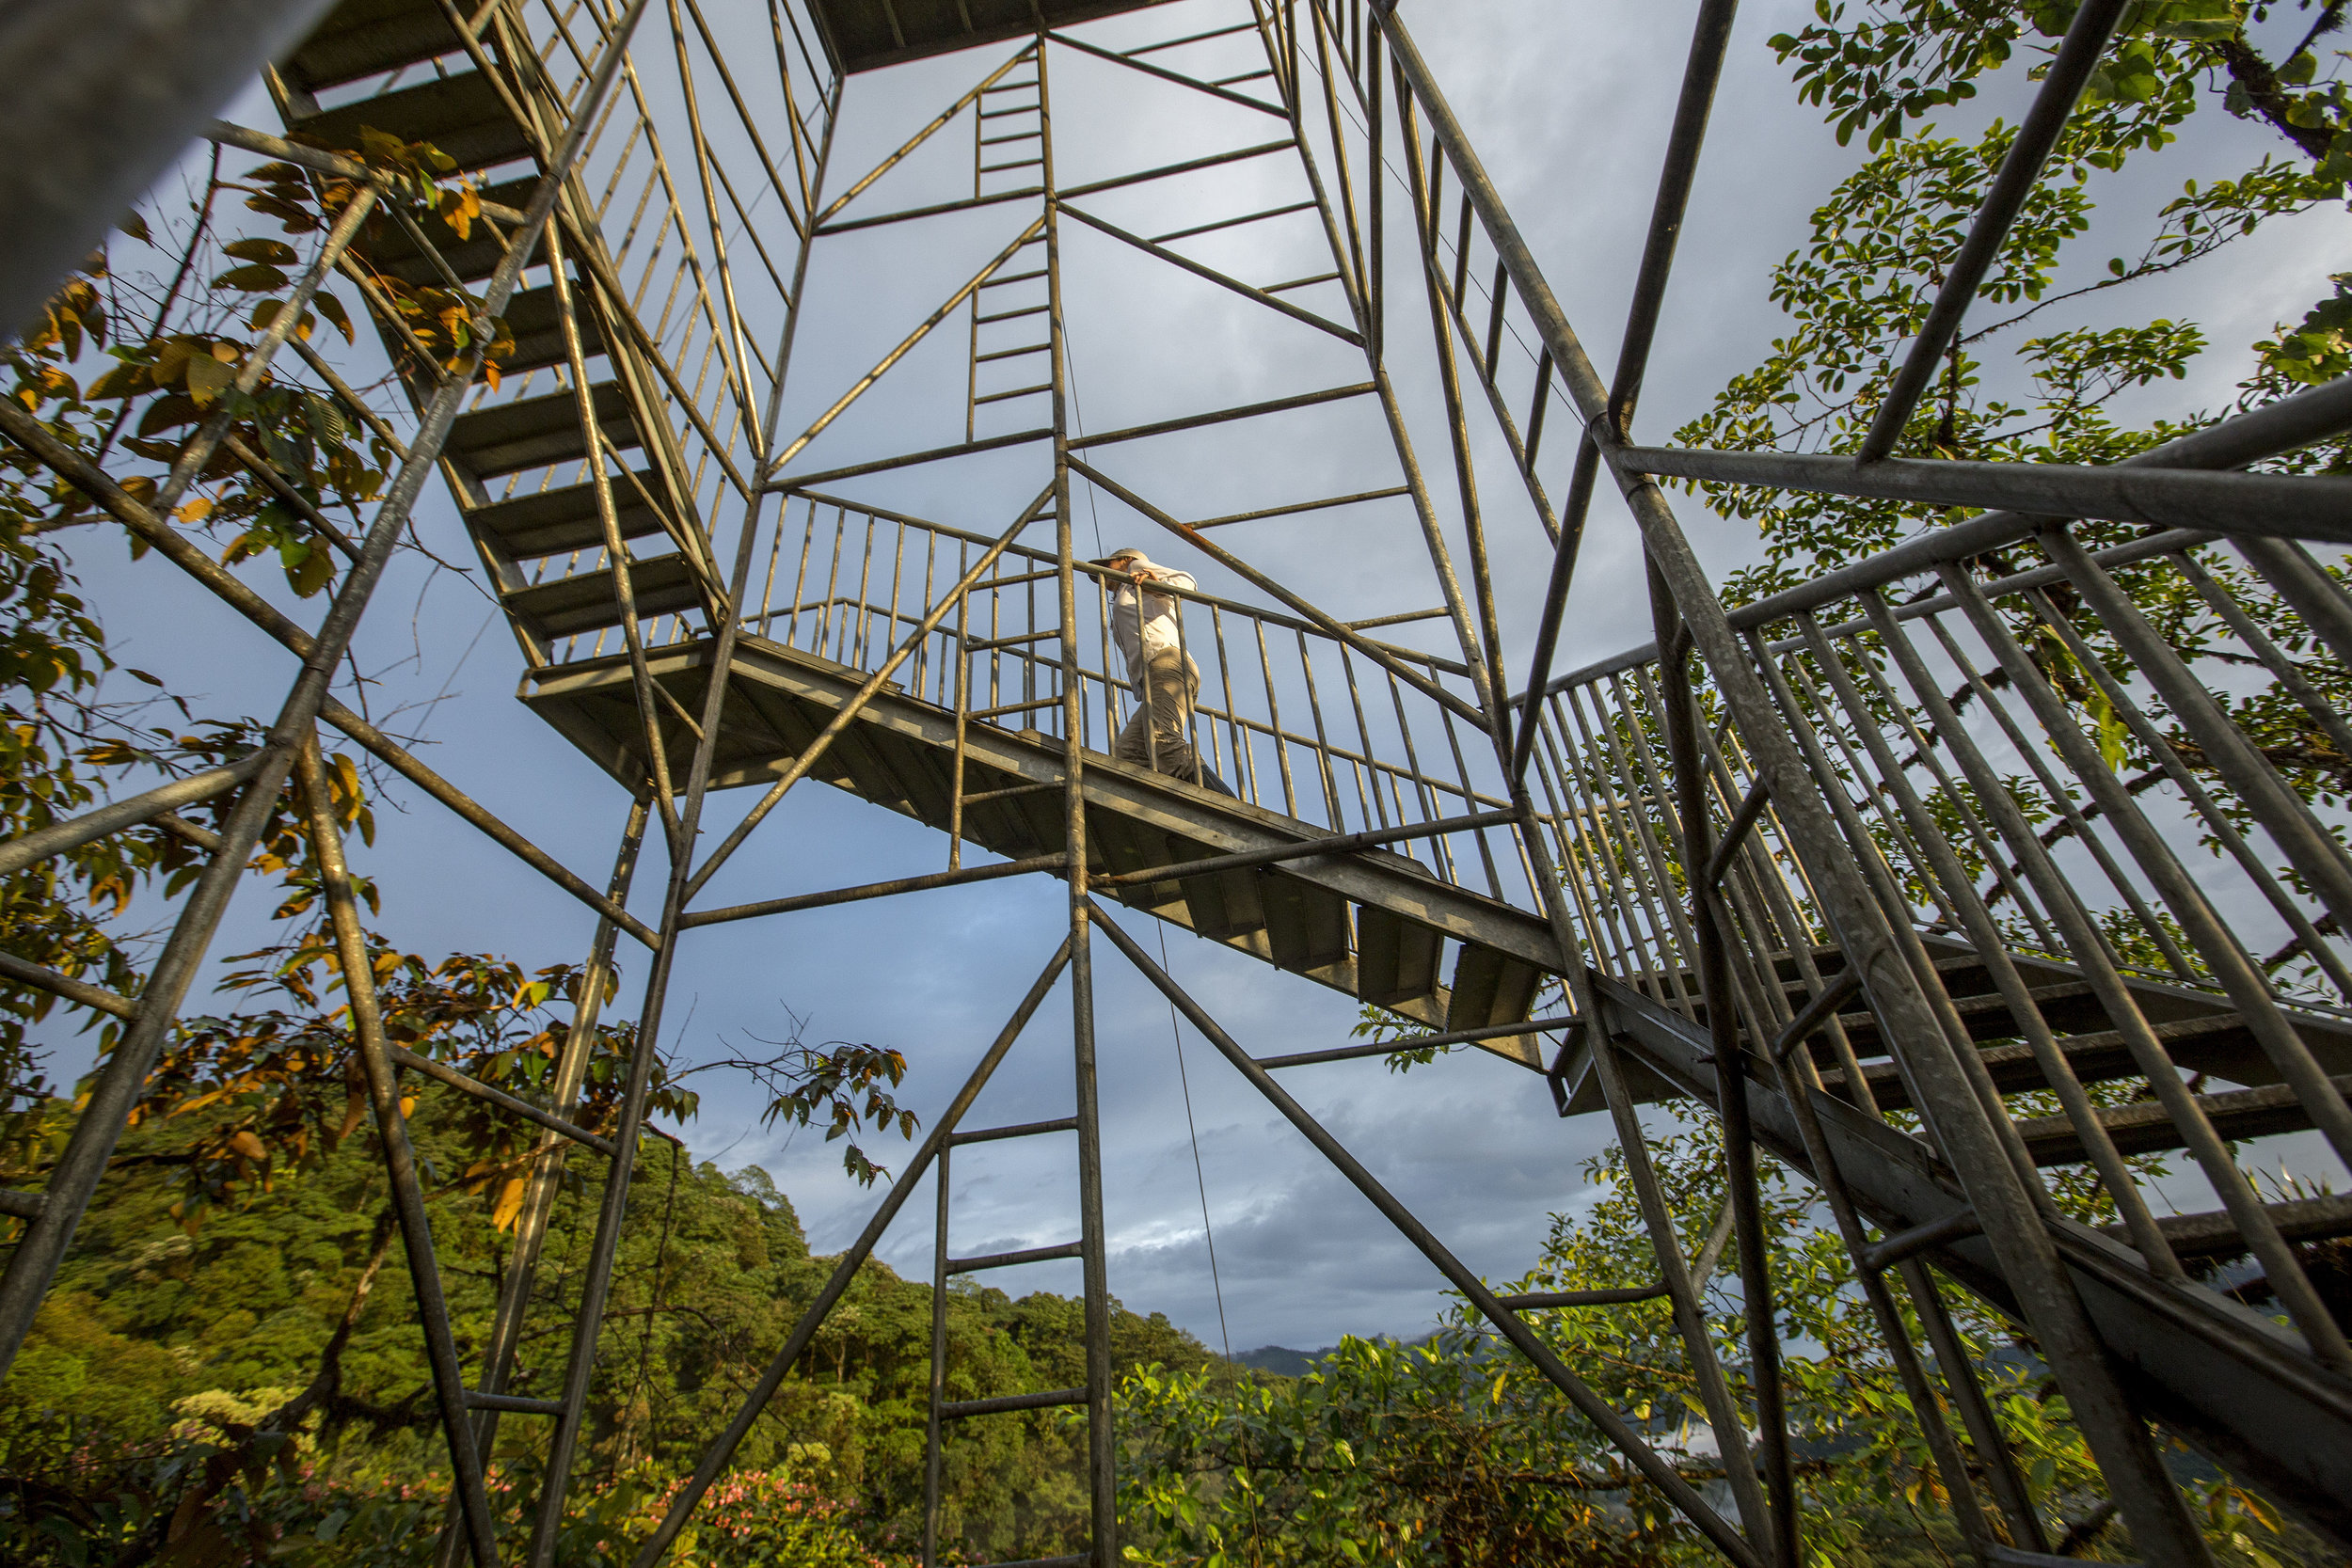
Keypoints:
pixel 1323 741
pixel 1274 710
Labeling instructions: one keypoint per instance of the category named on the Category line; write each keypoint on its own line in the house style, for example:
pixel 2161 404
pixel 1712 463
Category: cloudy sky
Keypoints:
pixel 1569 102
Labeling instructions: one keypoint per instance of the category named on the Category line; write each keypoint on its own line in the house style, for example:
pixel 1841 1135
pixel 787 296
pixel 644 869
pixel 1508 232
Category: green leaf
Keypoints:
pixel 262 250
pixel 258 278
pixel 208 378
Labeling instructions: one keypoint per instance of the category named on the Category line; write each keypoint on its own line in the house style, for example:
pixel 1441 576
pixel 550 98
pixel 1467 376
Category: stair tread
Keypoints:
pixel 564 518
pixel 365 38
pixel 2145 1125
pixel 585 601
pixel 461 114
pixel 537 432
pixel 537 329
pixel 2095 1055
pixel 2215 1234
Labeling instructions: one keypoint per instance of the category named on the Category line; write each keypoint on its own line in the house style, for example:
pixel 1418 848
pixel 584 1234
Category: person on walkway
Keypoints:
pixel 1165 678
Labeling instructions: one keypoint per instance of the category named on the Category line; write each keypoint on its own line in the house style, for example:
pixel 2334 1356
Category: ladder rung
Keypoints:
pixel 1012 278
pixel 1014 707
pixel 1017 136
pixel 24 1206
pixel 1008 315
pixel 1012 1260
pixel 1011 353
pixel 1026 1129
pixel 999 114
pixel 476 1400
pixel 1024 163
pixel 960 1409
pixel 1010 86
pixel 1018 392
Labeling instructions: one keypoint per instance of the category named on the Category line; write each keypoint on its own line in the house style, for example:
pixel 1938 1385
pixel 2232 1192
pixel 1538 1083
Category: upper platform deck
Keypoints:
pixel 865 35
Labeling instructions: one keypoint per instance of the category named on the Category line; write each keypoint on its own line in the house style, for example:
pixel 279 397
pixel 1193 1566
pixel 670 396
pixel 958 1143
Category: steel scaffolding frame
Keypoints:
pixel 1724 920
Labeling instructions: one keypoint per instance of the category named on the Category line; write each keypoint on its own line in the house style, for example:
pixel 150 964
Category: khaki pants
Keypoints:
pixel 1164 689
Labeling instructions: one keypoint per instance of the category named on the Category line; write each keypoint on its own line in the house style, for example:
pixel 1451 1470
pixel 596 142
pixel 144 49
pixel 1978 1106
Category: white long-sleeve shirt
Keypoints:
pixel 1143 622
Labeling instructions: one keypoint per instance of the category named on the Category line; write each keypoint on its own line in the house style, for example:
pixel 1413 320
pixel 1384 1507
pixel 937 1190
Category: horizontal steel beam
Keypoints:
pixel 25 973
pixel 1015 1259
pixel 2279 506
pixel 961 1409
pixel 1021 1130
pixel 512 1404
pixel 2287 425
pixel 795 483
pixel 1417 1042
pixel 41 843
pixel 1619 1296
pixel 875 890
pixel 1222 416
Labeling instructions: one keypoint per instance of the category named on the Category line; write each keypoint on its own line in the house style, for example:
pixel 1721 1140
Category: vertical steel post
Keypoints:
pixel 1102 1438
pixel 934 1458
pixel 400 1158
pixel 1709 954
pixel 546 1171
pixel 597 1279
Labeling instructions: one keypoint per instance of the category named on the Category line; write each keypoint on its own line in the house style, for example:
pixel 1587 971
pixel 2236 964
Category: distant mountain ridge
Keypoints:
pixel 1281 1360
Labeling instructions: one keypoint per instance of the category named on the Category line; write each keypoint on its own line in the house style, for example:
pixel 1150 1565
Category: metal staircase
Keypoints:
pixel 520 464
pixel 1857 868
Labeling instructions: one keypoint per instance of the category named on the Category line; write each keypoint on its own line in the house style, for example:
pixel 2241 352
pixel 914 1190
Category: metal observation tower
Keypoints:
pixel 1727 867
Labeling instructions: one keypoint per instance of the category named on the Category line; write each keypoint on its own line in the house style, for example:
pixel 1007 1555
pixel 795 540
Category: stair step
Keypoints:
pixel 585 602
pixel 561 520
pixel 1491 988
pixel 538 331
pixel 1226 904
pixel 2216 1234
pixel 1396 958
pixel 1305 926
pixel 536 433
pixel 365 38
pixel 2143 1127
pixel 461 114
pixel 2095 1057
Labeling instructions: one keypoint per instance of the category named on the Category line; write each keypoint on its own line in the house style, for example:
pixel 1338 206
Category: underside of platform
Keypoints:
pixel 865 35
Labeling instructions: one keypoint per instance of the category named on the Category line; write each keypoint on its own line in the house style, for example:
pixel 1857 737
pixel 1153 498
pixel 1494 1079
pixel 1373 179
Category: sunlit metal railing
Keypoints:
pixel 1291 717
pixel 2129 758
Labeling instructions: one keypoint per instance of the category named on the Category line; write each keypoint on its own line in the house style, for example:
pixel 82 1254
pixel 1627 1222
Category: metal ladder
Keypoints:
pixel 1010 117
pixel 945 1267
